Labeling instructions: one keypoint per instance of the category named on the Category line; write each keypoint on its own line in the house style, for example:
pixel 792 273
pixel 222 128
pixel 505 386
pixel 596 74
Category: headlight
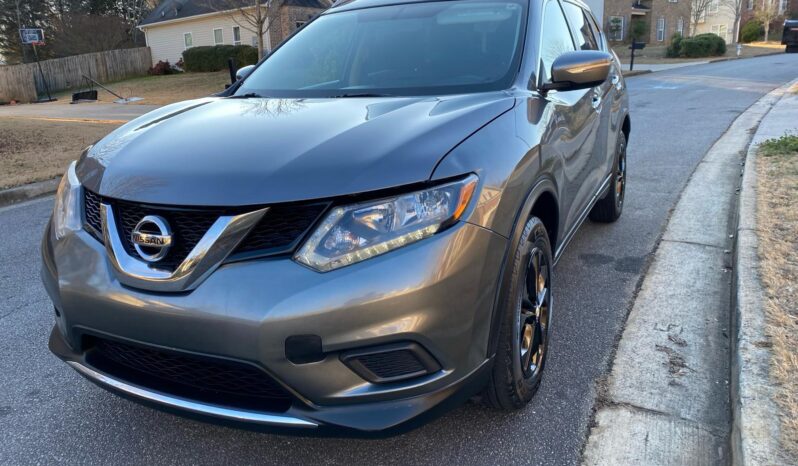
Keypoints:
pixel 66 214
pixel 354 233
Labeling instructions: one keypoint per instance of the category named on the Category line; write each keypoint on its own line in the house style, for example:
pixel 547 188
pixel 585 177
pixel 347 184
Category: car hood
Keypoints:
pixel 225 152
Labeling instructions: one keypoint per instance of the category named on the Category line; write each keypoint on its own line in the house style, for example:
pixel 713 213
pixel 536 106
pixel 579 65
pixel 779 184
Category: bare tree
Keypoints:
pixel 256 16
pixel 698 13
pixel 736 7
pixel 767 14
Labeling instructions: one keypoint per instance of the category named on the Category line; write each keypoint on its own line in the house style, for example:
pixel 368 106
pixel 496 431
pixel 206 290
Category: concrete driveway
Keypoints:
pixel 83 111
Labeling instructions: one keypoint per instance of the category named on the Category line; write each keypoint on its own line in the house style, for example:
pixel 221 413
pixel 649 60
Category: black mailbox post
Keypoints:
pixel 635 46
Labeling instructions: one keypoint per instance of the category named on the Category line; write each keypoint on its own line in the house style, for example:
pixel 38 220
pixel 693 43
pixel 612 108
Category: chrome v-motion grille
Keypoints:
pixel 195 232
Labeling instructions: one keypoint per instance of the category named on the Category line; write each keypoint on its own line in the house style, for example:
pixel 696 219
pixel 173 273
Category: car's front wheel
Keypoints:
pixel 523 338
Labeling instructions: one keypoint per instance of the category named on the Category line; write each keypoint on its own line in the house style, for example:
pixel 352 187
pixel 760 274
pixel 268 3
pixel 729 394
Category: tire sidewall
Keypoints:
pixel 507 369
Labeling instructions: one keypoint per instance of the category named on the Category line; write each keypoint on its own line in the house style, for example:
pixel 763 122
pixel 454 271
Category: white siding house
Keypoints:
pixel 168 39
pixel 176 25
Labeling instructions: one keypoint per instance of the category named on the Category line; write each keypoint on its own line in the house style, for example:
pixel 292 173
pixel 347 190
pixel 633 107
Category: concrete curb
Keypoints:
pixel 755 428
pixel 629 74
pixel 28 191
pixel 667 397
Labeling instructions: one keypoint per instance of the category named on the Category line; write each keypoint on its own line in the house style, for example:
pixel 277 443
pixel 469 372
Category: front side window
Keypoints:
pixel 218 39
pixel 556 38
pixel 660 29
pixel 425 48
pixel 188 41
pixel 680 25
pixel 580 27
pixel 236 35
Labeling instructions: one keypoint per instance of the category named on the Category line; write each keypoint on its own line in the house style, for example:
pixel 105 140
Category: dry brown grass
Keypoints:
pixel 777 217
pixel 35 150
pixel 162 90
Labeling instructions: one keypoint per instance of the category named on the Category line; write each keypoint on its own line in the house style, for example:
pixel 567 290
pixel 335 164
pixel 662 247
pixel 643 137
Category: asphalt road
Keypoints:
pixel 49 414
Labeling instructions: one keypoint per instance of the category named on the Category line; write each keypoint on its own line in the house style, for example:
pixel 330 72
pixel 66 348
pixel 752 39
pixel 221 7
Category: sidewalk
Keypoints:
pixel 667 398
pixel 662 66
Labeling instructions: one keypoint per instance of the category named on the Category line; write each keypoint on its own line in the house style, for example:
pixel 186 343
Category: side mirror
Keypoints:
pixel 244 71
pixel 582 69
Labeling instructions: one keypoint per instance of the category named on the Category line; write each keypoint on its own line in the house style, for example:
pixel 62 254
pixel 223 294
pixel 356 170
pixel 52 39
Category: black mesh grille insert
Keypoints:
pixel 393 364
pixel 207 379
pixel 188 227
pixel 91 209
pixel 281 228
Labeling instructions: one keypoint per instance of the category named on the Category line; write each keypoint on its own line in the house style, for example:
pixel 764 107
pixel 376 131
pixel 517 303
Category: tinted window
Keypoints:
pixel 581 28
pixel 409 49
pixel 556 38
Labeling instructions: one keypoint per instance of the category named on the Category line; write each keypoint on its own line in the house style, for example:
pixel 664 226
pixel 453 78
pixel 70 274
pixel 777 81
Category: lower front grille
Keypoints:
pixel 209 379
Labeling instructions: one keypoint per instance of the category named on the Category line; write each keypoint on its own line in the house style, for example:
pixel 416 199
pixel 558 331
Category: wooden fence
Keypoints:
pixel 23 83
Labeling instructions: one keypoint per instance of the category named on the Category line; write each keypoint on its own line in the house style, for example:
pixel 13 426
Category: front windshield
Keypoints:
pixel 429 48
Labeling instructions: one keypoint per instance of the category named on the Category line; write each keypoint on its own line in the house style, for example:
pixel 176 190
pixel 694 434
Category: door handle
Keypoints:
pixel 616 81
pixel 596 99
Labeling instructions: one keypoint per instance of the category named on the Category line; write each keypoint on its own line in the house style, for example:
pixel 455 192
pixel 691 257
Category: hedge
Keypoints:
pixel 752 31
pixel 702 45
pixel 214 58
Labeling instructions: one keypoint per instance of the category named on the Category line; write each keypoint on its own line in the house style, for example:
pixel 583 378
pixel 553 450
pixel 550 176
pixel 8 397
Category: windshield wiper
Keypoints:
pixel 248 95
pixel 360 94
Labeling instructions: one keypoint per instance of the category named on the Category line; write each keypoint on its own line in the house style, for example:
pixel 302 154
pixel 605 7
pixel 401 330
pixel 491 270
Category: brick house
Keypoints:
pixel 661 19
pixel 176 25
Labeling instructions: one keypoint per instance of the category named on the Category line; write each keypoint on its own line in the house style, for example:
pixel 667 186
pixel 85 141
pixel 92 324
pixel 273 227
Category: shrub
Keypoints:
pixel 753 30
pixel 161 68
pixel 702 45
pixel 639 30
pixel 214 58
pixel 675 47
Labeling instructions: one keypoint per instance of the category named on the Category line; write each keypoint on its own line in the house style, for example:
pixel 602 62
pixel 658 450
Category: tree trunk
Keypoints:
pixel 767 29
pixel 261 21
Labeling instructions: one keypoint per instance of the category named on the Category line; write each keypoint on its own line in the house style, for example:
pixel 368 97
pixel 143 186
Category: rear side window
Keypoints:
pixel 583 33
pixel 556 39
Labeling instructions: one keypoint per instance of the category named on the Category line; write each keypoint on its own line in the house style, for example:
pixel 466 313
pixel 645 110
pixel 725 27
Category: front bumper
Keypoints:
pixel 437 293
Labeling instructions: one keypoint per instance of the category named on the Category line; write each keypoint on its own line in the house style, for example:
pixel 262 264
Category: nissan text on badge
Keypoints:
pixel 361 230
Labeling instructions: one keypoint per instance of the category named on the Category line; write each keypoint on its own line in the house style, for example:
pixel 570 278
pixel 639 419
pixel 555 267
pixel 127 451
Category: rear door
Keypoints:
pixel 571 131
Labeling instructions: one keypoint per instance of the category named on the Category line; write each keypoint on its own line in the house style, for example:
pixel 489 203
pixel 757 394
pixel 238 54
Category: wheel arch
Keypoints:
pixel 542 201
pixel 626 127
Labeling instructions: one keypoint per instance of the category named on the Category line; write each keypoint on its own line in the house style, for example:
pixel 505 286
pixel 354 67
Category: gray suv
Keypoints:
pixel 360 229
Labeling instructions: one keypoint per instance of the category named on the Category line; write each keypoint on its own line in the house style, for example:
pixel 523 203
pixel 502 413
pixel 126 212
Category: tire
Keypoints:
pixel 525 321
pixel 609 208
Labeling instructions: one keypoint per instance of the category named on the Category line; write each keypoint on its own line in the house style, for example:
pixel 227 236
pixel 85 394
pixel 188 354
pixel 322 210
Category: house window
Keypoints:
pixel 680 25
pixel 188 41
pixel 783 6
pixel 673 1
pixel 615 28
pixel 218 38
pixel 721 30
pixel 714 6
pixel 750 4
pixel 660 29
pixel 236 35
